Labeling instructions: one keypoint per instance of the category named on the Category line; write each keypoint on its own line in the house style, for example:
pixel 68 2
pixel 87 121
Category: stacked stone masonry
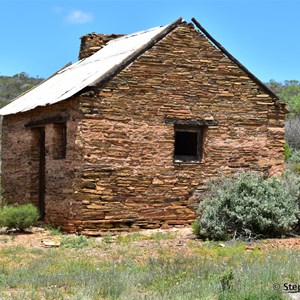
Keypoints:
pixel 92 42
pixel 119 171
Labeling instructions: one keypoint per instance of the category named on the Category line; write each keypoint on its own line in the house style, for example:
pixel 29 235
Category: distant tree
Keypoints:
pixel 275 86
pixel 288 91
pixel 22 75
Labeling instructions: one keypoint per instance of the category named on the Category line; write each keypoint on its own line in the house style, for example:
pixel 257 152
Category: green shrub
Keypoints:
pixel 19 217
pixel 247 205
pixel 287 152
pixel 227 279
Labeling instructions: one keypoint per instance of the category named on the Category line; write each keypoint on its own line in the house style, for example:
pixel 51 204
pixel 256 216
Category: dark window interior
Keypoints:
pixel 188 143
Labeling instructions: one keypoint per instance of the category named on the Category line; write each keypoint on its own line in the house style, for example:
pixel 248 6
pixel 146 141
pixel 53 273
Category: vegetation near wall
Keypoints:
pixel 247 205
pixel 19 217
pixel 289 91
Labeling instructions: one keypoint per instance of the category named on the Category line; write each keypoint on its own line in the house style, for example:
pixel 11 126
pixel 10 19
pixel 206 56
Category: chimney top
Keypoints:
pixel 93 42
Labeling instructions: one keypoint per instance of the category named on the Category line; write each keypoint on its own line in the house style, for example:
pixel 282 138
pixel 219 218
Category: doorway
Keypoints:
pixel 42 172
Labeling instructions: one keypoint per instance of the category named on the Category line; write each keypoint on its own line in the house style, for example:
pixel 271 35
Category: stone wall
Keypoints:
pixel 130 179
pixel 20 163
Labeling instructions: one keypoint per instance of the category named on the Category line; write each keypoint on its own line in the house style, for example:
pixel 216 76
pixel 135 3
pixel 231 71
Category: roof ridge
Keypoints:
pixel 126 36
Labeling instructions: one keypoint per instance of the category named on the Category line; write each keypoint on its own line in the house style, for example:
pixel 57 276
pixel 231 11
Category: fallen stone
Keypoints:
pixel 51 244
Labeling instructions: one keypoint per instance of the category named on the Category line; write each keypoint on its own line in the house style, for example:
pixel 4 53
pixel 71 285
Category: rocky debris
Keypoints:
pixel 51 243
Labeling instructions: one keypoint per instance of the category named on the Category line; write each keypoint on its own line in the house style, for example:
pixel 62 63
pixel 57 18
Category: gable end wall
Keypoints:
pixel 130 180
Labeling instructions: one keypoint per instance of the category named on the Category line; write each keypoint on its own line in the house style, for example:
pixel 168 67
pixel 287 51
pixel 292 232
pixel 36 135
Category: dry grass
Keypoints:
pixel 144 265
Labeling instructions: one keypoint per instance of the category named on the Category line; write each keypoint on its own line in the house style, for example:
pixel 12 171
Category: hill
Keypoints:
pixel 11 87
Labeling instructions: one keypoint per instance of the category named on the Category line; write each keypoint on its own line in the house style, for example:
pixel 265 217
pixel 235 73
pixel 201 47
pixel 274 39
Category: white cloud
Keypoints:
pixel 79 17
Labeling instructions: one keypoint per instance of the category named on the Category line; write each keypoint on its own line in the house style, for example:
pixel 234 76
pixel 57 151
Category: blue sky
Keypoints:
pixel 40 36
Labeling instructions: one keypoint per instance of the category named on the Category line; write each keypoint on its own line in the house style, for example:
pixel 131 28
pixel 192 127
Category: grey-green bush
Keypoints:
pixel 293 162
pixel 246 204
pixel 292 131
pixel 19 217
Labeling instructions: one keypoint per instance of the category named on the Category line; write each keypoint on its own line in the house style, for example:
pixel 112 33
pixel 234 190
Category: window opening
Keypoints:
pixel 59 140
pixel 188 143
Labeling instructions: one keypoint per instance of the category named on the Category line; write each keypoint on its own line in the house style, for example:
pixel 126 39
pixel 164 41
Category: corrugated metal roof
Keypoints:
pixel 72 79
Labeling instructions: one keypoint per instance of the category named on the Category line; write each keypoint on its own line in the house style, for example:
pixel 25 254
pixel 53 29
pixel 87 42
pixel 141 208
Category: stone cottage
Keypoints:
pixel 127 137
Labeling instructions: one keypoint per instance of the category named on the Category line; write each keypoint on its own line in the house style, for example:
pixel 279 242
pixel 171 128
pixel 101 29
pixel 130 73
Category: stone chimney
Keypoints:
pixel 92 42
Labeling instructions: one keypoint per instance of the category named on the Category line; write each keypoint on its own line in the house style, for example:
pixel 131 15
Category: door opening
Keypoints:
pixel 42 172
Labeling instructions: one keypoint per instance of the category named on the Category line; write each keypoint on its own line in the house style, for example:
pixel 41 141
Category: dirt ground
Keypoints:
pixel 39 237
